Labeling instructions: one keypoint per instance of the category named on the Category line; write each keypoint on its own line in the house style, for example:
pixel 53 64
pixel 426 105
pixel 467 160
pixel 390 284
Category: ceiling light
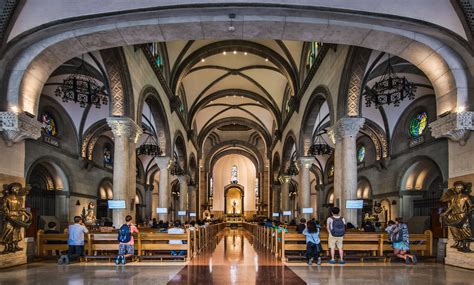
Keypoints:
pixel 266 59
pixel 224 52
pixel 203 60
pixel 235 52
pixel 245 53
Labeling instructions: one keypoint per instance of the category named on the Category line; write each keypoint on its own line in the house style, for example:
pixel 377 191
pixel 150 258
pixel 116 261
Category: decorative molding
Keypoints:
pixel 124 127
pixel 163 162
pixel 355 83
pixel 455 126
pixel 6 15
pixel 284 179
pixel 345 127
pixel 306 161
pixel 16 127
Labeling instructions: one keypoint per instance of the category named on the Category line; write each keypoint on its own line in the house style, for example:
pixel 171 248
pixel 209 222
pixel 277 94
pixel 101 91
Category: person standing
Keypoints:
pixel 398 233
pixel 127 242
pixel 313 243
pixel 75 241
pixel 301 226
pixel 336 226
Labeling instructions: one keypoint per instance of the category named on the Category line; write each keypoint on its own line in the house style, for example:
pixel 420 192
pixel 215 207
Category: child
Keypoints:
pixel 313 243
pixel 127 243
pixel 398 233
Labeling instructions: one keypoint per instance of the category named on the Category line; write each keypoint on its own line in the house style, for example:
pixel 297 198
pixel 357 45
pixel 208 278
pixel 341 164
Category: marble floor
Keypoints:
pixel 235 261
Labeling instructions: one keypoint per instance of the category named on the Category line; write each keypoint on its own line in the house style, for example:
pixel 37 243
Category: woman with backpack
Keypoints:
pixel 398 235
pixel 127 243
pixel 313 243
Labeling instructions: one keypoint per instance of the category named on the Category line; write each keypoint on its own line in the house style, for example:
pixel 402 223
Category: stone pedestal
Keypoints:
pixel 344 135
pixel 457 258
pixel 14 259
pixel 163 188
pixel 126 133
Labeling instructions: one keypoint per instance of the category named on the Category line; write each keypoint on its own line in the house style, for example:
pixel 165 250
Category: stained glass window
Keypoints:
pixel 234 175
pixel 49 125
pixel 418 124
pixel 108 154
pixel 361 153
pixel 313 54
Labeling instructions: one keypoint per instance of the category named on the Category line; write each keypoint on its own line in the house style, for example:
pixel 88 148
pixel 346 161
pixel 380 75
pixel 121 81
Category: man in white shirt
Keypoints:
pixel 176 230
pixel 336 226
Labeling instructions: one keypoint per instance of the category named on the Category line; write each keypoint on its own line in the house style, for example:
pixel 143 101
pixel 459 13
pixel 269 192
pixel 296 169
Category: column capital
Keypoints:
pixel 16 127
pixel 345 127
pixel 284 179
pixel 163 162
pixel 183 179
pixel 306 161
pixel 124 127
pixel 454 126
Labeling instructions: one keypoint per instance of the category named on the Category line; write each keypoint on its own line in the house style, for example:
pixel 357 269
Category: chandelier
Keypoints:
pixel 176 169
pixel 320 147
pixel 292 169
pixel 150 147
pixel 390 89
pixel 81 88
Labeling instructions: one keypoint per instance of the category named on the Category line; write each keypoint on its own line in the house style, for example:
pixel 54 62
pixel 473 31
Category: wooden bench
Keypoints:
pixel 422 244
pixel 103 246
pixel 46 244
pixel 156 246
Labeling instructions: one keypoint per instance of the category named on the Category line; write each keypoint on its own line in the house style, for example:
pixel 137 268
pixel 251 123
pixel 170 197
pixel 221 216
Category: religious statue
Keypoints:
pixel 234 204
pixel 89 217
pixel 13 216
pixel 457 215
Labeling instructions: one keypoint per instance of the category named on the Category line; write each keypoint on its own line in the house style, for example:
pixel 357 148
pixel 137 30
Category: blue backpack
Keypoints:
pixel 124 234
pixel 338 227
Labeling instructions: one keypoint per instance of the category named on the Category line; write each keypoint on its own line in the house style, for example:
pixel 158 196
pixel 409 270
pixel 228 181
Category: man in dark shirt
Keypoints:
pixel 301 226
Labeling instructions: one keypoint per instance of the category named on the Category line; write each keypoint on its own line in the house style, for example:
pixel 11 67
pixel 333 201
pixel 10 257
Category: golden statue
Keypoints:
pixel 457 215
pixel 13 216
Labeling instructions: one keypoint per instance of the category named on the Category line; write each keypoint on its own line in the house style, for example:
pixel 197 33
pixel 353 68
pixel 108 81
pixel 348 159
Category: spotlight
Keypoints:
pixel 266 59
pixel 224 52
pixel 235 52
pixel 203 60
pixel 245 53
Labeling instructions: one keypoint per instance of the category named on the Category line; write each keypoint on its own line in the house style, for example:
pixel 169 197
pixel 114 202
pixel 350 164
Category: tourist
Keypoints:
pixel 378 227
pixel 51 228
pixel 313 243
pixel 336 226
pixel 301 226
pixel 154 224
pixel 75 241
pixel 398 234
pixel 176 230
pixel 127 242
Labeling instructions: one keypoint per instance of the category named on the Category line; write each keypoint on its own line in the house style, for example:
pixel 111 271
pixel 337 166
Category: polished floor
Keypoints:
pixel 235 260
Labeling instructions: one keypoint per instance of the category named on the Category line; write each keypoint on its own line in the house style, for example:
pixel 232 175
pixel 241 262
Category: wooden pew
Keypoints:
pixel 49 243
pixel 103 246
pixel 156 246
pixel 422 244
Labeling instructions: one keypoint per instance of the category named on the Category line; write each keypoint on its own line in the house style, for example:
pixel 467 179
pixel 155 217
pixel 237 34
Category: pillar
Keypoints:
pixel 304 195
pixel 276 198
pixel 149 202
pixel 161 197
pixel 203 188
pixel 284 195
pixel 183 194
pixel 344 134
pixel 126 133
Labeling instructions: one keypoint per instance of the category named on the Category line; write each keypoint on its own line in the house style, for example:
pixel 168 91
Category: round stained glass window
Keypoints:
pixel 418 124
pixel 49 125
pixel 361 153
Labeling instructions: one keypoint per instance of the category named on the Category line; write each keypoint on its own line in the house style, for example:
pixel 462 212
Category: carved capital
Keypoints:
pixel 183 179
pixel 163 162
pixel 284 179
pixel 454 126
pixel 306 161
pixel 345 127
pixel 16 127
pixel 124 127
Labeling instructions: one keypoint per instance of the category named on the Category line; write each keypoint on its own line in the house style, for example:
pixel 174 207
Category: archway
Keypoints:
pixel 234 200
pixel 105 193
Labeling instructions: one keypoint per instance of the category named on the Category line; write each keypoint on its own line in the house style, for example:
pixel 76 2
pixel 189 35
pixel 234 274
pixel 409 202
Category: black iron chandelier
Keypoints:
pixel 292 169
pixel 149 147
pixel 390 89
pixel 81 88
pixel 176 169
pixel 320 147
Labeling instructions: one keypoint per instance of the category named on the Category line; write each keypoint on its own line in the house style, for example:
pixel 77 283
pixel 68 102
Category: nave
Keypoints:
pixel 235 259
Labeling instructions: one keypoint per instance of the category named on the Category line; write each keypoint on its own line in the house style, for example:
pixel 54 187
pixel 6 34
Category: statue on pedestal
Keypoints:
pixel 234 204
pixel 457 215
pixel 13 216
pixel 89 217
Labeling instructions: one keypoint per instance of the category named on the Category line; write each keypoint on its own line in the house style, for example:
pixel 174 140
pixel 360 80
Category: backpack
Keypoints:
pixel 124 234
pixel 338 227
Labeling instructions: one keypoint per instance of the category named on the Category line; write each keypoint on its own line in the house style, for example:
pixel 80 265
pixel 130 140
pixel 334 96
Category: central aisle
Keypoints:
pixel 236 261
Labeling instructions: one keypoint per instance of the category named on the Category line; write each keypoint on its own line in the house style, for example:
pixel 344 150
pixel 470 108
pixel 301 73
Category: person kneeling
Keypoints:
pixel 313 243
pixel 75 241
pixel 127 242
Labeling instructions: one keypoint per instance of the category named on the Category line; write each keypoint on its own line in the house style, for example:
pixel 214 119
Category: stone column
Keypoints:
pixel 149 202
pixel 344 134
pixel 126 133
pixel 161 198
pixel 304 195
pixel 192 199
pixel 275 199
pixel 183 193
pixel 285 191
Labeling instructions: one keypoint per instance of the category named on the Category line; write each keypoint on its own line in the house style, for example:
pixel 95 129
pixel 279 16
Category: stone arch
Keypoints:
pixel 276 163
pixel 364 188
pixel 418 173
pixel 179 148
pixel 289 149
pixel 240 188
pixel 45 49
pixel 320 95
pixel 245 148
pixel 149 95
pixel 193 169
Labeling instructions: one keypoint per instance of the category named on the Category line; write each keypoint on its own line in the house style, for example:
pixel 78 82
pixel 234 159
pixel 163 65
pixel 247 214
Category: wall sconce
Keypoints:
pixel 78 203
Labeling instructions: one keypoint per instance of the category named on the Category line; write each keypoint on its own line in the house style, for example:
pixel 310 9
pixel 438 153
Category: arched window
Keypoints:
pixel 361 153
pixel 418 124
pixel 49 124
pixel 108 160
pixel 234 175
